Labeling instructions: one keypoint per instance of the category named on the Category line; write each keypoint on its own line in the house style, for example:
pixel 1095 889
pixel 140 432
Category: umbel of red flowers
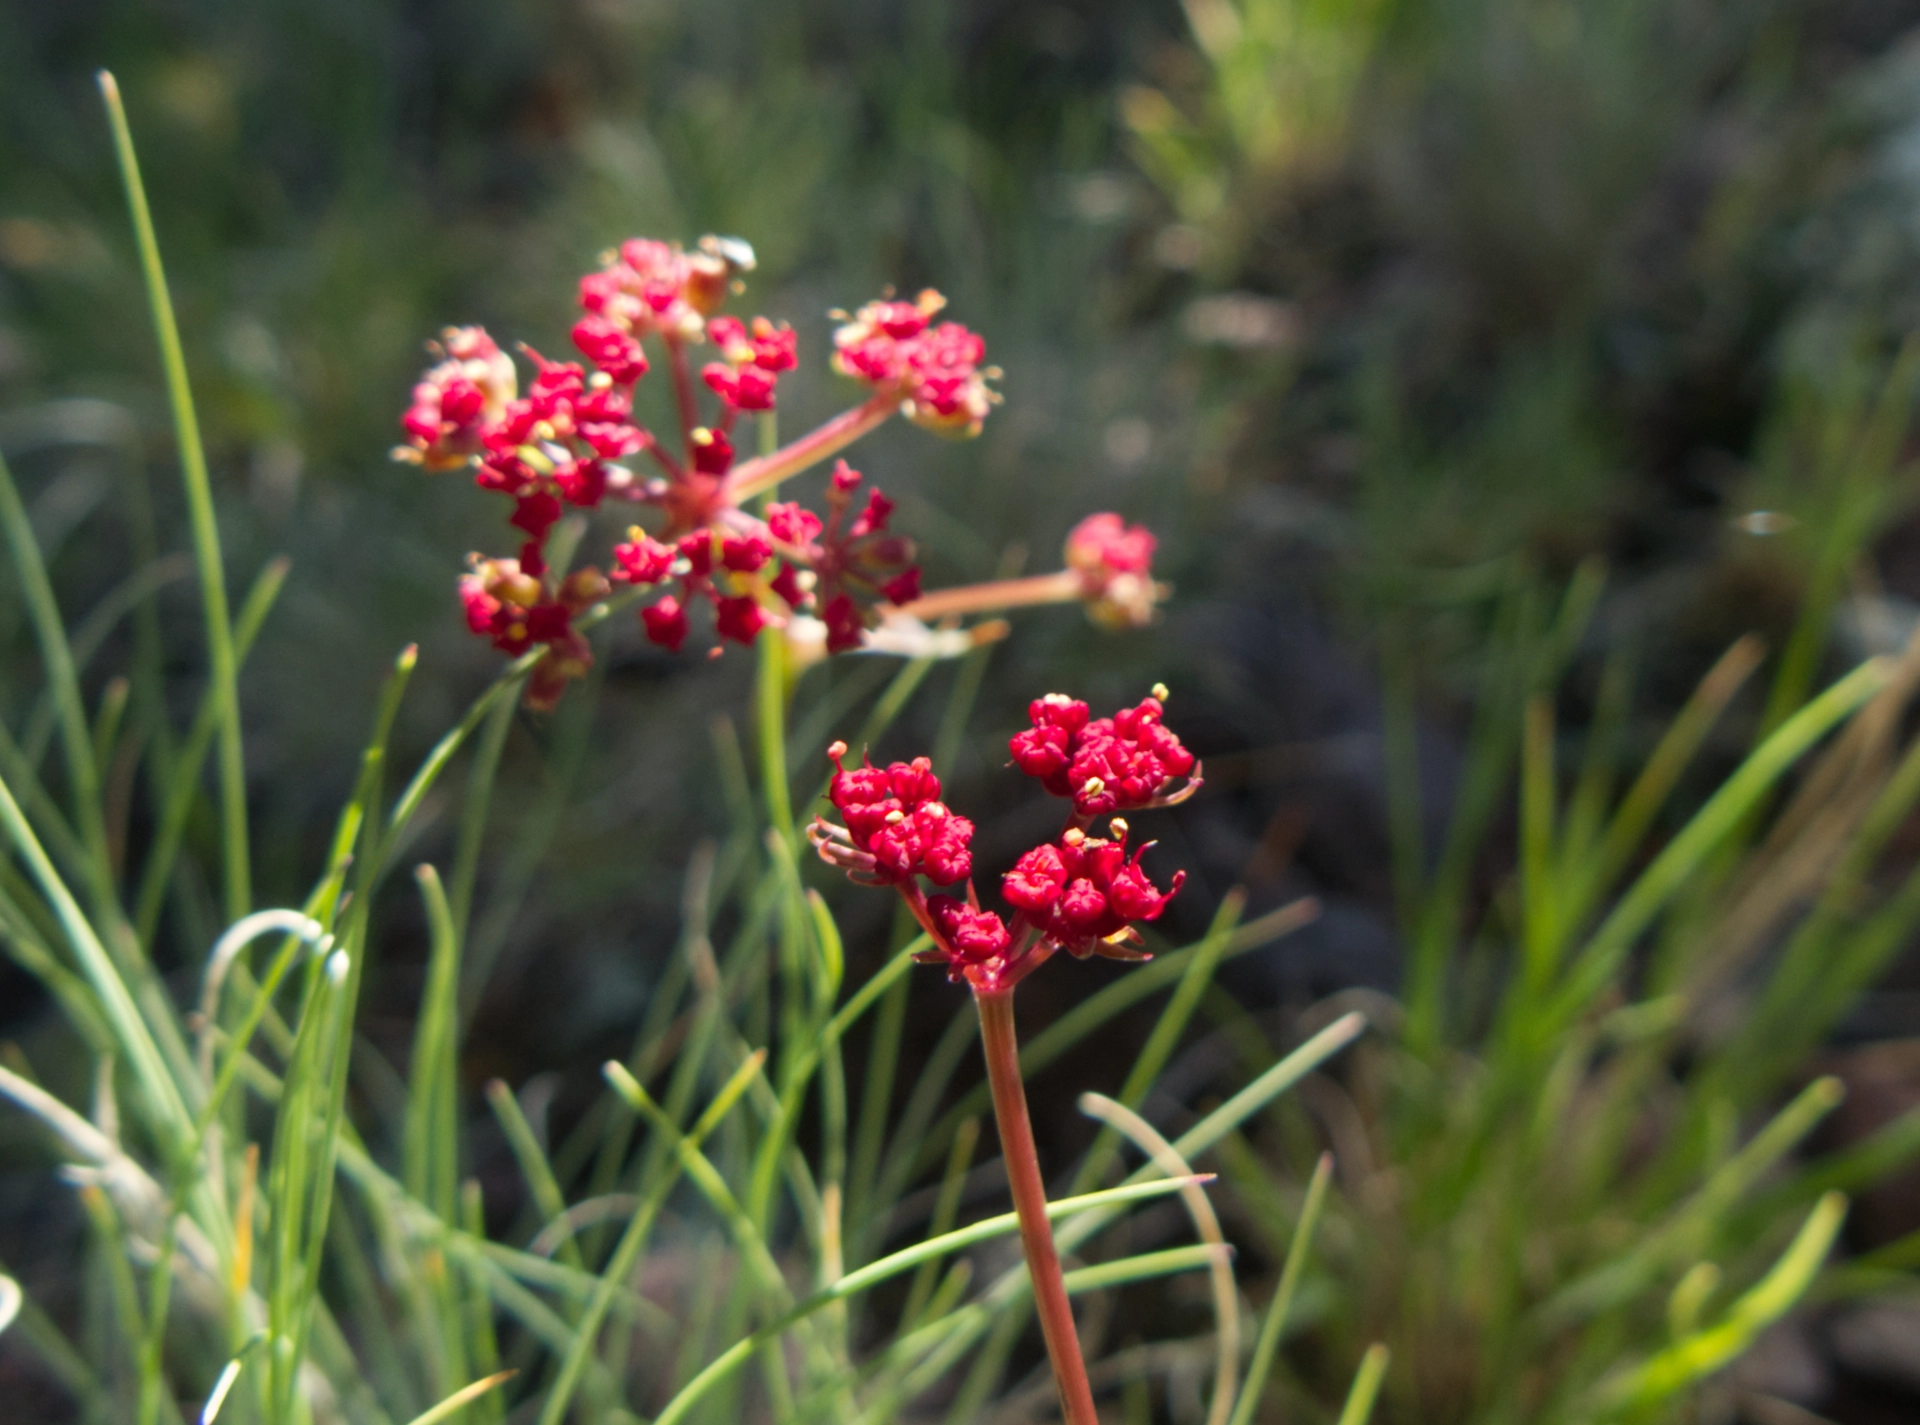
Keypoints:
pixel 837 579
pixel 1079 892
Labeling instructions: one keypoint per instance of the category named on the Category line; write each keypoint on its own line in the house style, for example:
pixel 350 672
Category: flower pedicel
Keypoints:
pixel 838 580
pixel 1079 892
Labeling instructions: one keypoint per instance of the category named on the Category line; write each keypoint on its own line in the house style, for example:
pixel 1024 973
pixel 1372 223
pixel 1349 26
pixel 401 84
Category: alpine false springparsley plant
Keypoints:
pixel 1077 892
pixel 836 583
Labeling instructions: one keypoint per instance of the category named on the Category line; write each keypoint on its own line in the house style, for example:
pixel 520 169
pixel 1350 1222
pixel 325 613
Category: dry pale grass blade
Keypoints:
pixel 1808 840
pixel 1226 1301
pixel 464 1396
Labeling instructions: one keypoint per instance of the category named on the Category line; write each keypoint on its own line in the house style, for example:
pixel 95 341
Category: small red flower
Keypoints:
pixel 745 388
pixel 791 524
pixel 642 559
pixel 666 623
pixel 978 937
pixel 614 350
pixel 738 618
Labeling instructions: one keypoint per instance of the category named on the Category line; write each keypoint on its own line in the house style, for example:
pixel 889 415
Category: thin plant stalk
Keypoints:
pixel 1002 1050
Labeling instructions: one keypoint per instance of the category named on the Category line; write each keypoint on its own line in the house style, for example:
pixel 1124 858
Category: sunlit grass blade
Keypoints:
pixel 1206 1223
pixel 1366 1386
pixel 461 1398
pixel 1707 1350
pixel 1618 1280
pixel 155 1080
pixel 224 667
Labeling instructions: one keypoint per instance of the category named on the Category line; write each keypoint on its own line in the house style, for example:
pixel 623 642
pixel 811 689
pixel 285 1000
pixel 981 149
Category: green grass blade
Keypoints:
pixel 620 1264
pixel 63 683
pixel 430 1151
pixel 743 1350
pixel 206 531
pixel 92 632
pixel 534 1167
pixel 1706 1351
pixel 1145 1266
pixel 1193 982
pixel 1266 1346
pixel 1096 1009
pixel 156 1081
pixel 184 779
pixel 473 814
pixel 770 722
pixel 946 1209
pixel 1366 1386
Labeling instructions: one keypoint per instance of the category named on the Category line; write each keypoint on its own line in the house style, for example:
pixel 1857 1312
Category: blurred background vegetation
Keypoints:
pixel 1388 317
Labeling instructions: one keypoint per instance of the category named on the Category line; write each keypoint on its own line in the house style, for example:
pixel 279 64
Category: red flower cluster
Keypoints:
pixel 650 288
pixel 896 827
pixel 1079 893
pixel 935 371
pixel 1125 762
pixel 755 357
pixel 1114 562
pixel 565 441
pixel 516 611
pixel 457 399
pixel 1083 894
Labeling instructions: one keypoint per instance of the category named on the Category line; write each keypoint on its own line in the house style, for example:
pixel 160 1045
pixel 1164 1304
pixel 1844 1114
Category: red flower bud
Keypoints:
pixel 666 623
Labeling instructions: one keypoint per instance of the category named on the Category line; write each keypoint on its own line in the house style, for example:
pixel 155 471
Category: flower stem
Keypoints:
pixel 765 471
pixel 683 392
pixel 1063 586
pixel 1030 1202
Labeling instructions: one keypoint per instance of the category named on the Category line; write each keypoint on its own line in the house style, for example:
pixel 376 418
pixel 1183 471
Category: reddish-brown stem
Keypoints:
pixel 683 391
pixel 917 903
pixel 766 471
pixel 663 458
pixel 1061 587
pixel 1030 1203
